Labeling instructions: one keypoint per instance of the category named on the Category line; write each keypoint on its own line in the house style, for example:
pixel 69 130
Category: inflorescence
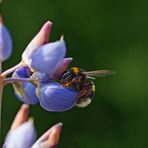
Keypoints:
pixel 36 79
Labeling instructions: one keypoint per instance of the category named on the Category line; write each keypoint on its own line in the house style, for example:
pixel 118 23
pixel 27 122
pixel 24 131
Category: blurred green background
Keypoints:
pixel 100 34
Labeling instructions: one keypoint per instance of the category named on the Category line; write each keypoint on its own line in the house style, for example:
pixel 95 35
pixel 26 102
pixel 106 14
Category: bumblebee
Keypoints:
pixel 82 82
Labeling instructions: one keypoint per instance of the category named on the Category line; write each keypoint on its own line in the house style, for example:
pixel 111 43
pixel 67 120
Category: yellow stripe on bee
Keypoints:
pixel 93 88
pixel 75 70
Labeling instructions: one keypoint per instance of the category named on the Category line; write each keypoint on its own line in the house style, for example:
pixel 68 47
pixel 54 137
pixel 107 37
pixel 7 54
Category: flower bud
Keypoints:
pixel 56 98
pixel 50 138
pixel 40 39
pixel 5 42
pixel 23 136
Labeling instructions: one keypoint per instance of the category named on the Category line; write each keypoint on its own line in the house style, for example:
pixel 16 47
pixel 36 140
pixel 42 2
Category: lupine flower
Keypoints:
pixel 47 60
pixel 5 42
pixel 43 57
pixel 25 91
pixel 40 39
pixel 22 137
pixel 48 57
pixel 42 63
pixel 22 133
pixel 54 97
pixel 50 138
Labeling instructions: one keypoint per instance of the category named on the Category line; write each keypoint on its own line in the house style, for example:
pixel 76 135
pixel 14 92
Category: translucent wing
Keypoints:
pixel 99 73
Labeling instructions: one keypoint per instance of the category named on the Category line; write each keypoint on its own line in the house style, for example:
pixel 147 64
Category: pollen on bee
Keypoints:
pixel 93 88
pixel 75 70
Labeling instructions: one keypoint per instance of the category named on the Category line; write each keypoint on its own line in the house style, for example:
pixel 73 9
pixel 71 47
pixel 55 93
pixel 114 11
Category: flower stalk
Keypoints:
pixel 4 74
pixel 12 80
pixel 7 72
pixel 1 93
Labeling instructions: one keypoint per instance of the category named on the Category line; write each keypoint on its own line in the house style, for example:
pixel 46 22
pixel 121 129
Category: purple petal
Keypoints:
pixel 5 42
pixel 61 68
pixel 54 97
pixel 22 137
pixel 47 58
pixel 25 92
pixel 22 72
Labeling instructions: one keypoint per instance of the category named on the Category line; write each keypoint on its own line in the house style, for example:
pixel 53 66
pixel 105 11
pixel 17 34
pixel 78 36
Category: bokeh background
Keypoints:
pixel 100 34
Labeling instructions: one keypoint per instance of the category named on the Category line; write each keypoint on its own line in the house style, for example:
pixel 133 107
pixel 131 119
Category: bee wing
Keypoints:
pixel 99 73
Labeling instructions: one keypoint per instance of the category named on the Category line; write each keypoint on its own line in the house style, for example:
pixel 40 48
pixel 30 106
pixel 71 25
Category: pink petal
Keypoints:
pixel 61 68
pixel 49 138
pixel 40 39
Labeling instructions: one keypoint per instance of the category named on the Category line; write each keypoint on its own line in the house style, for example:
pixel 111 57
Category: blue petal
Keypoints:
pixel 54 97
pixel 22 72
pixel 26 93
pixel 47 58
pixel 5 43
pixel 22 137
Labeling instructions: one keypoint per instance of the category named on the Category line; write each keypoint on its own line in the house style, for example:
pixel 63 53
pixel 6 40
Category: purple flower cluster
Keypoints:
pixel 41 68
pixel 35 80
pixel 44 63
